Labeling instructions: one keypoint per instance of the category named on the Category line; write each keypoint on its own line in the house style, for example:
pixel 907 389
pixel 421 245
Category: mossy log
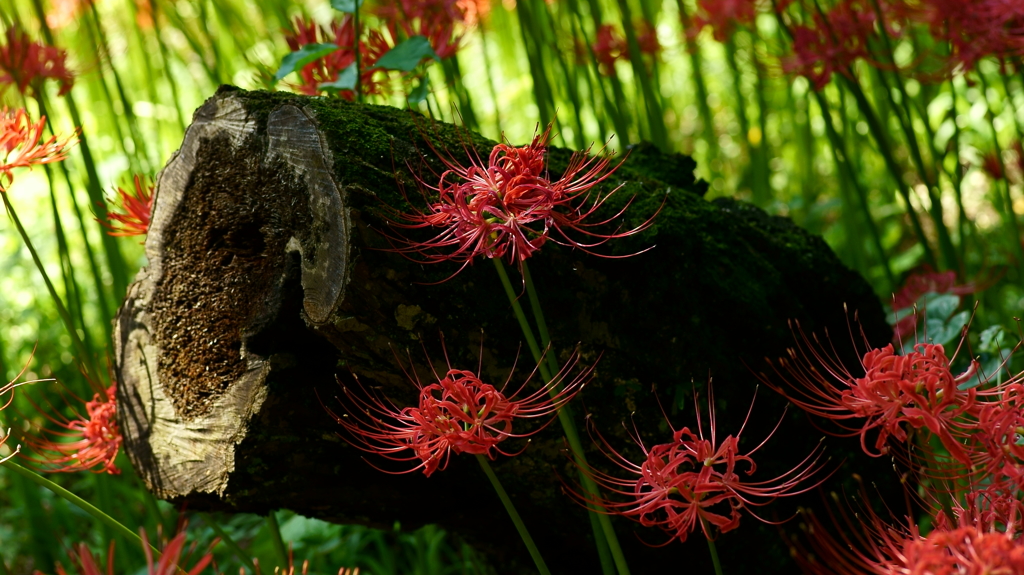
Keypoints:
pixel 270 281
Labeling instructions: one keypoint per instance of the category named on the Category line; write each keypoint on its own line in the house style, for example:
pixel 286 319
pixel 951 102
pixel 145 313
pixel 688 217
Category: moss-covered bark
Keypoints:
pixel 711 298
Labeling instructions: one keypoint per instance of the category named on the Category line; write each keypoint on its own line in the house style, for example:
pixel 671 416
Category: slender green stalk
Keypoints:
pixel 3 566
pixel 622 105
pixel 652 105
pixel 62 311
pixel 538 316
pixel 524 325
pixel 697 69
pixel 229 543
pixel 1004 185
pixel 103 499
pixel 604 552
pixel 77 501
pixel 714 555
pixel 482 29
pixel 541 86
pixel 115 261
pixel 842 159
pixel 514 515
pixel 358 53
pixel 564 415
pixel 275 537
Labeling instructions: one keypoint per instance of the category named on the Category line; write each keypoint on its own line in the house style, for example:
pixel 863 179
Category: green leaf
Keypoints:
pixel 938 306
pixel 946 331
pixel 993 340
pixel 406 55
pixel 346 6
pixel 419 93
pixel 299 58
pixel 346 80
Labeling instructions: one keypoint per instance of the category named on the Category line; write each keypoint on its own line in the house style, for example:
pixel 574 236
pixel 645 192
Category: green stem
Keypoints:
pixel 359 57
pixel 3 567
pixel 229 542
pixel 62 311
pixel 78 502
pixel 520 526
pixel 604 552
pixel 275 537
pixel 538 316
pixel 714 555
pixel 1003 184
pixel 655 115
pixel 565 414
pixel 517 309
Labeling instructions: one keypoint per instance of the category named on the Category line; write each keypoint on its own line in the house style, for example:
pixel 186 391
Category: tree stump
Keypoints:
pixel 270 280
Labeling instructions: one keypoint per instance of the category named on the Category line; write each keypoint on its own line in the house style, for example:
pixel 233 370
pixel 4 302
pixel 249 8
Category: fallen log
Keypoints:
pixel 271 280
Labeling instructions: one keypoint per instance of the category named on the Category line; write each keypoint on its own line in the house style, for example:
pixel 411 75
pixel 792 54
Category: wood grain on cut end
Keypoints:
pixel 234 206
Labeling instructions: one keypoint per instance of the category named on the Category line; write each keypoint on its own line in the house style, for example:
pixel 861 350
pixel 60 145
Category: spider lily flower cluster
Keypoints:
pixel 982 538
pixel 458 413
pixel 95 438
pixel 22 144
pixel 132 210
pixel 26 64
pixel 696 481
pixel 977 417
pixel 170 562
pixel 509 206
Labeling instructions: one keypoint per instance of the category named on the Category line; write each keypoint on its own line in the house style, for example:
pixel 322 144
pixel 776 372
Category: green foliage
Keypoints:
pixel 305 55
pixel 406 55
pixel 346 6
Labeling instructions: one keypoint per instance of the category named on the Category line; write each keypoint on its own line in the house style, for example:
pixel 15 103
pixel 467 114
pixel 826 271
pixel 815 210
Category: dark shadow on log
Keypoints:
pixel 269 281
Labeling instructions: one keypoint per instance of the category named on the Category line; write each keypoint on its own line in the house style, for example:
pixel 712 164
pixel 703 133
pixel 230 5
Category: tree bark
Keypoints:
pixel 271 281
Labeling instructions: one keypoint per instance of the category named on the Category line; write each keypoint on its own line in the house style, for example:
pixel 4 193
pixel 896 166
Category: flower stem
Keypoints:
pixel 62 311
pixel 275 537
pixel 77 501
pixel 520 526
pixel 565 414
pixel 229 542
pixel 538 316
pixel 524 325
pixel 714 555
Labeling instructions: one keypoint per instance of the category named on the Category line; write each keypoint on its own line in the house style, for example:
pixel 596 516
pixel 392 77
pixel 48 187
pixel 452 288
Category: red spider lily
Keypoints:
pixel 509 207
pixel 973 29
pixel 170 563
pixel 26 64
pixel 967 547
pixel 21 144
pixel 916 389
pixel 435 19
pixel 647 38
pixel 474 10
pixel 97 439
pixel 132 210
pixel 992 164
pixel 832 44
pixel 608 47
pixel 724 16
pixel 457 414
pixel 327 69
pixel 996 452
pixel 695 481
